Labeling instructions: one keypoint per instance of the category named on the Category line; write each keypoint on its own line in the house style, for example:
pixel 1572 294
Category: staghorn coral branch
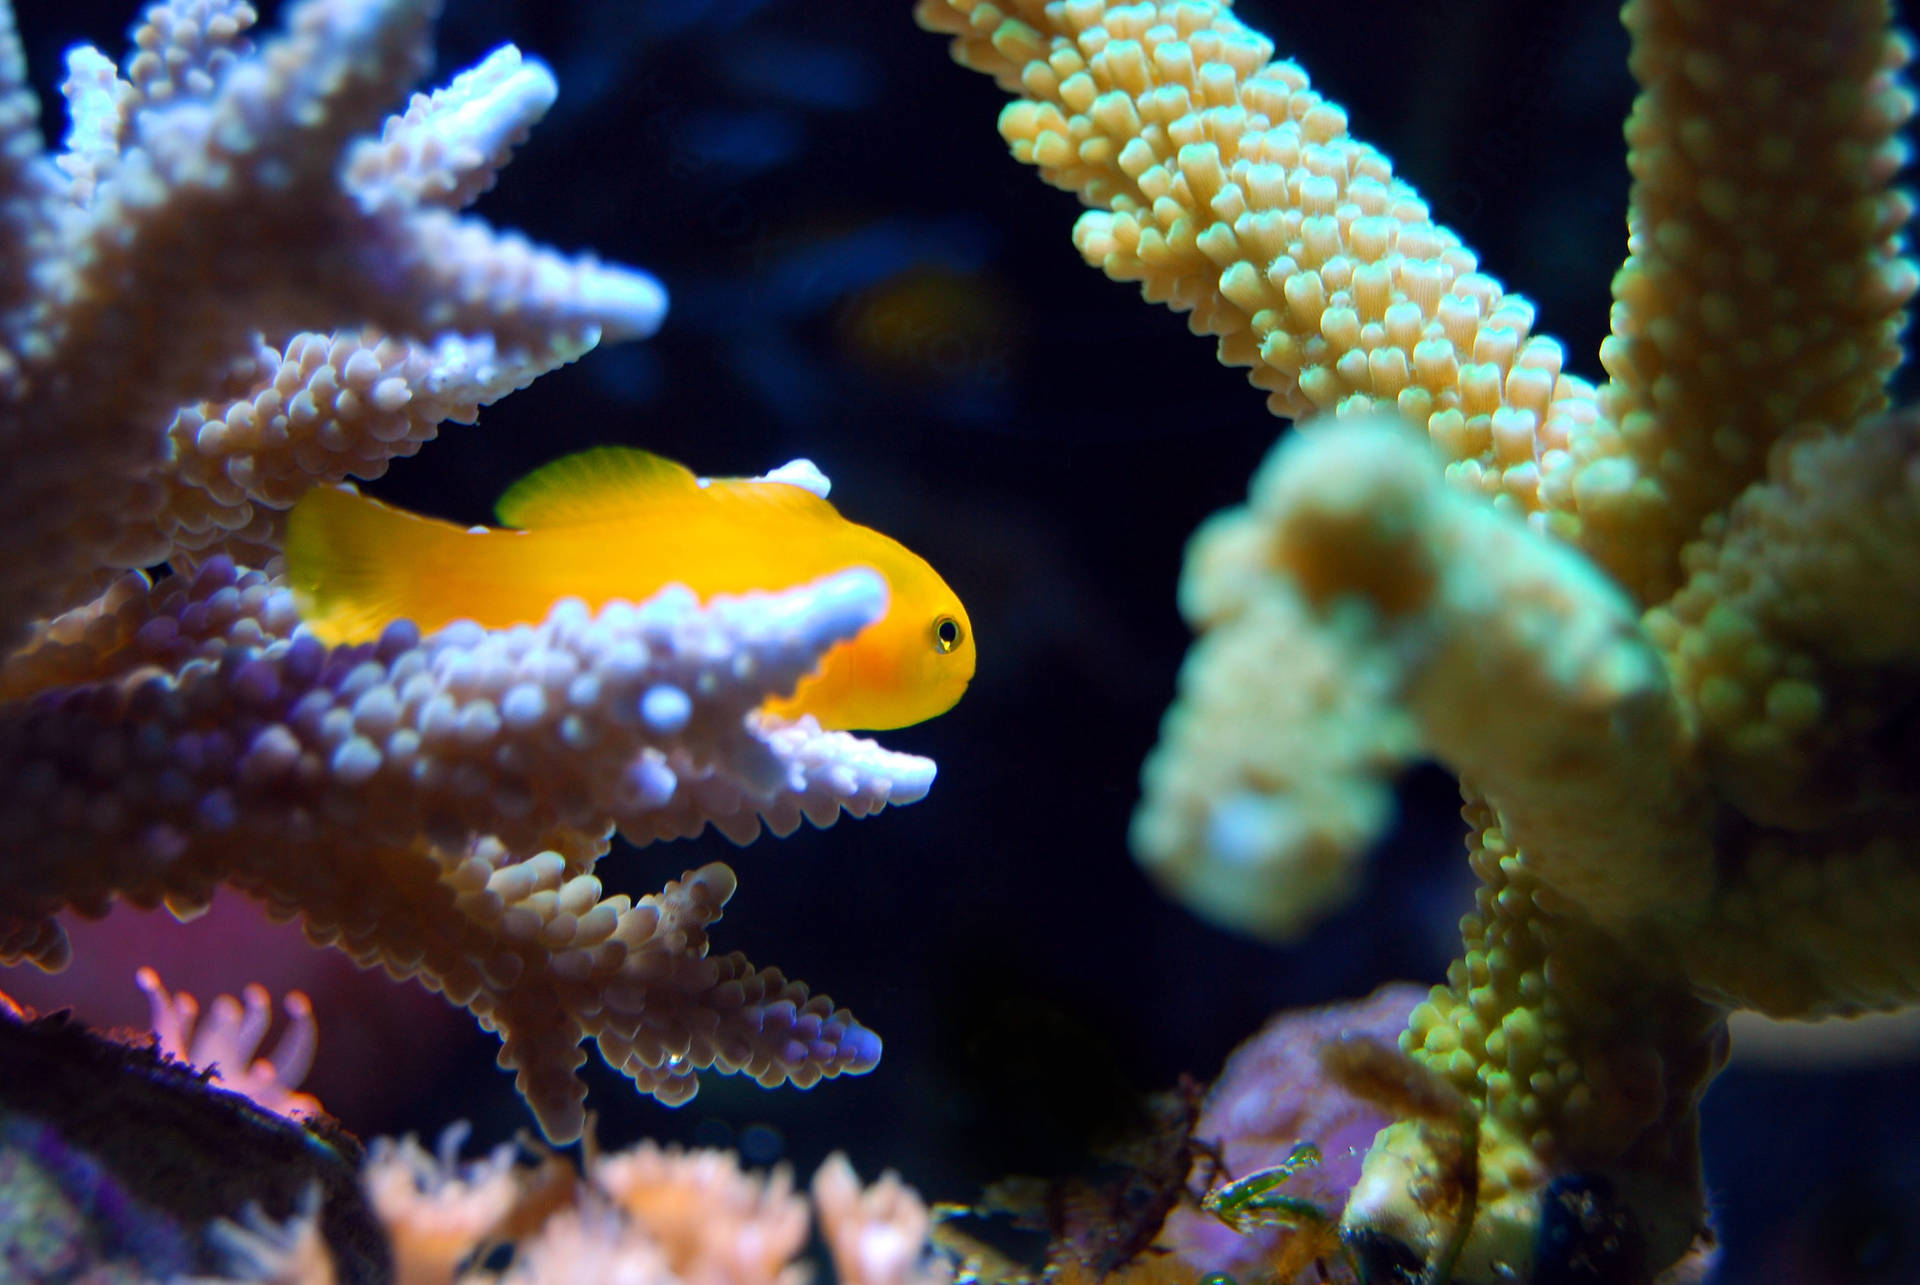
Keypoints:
pixel 573 724
pixel 433 806
pixel 27 183
pixel 331 406
pixel 1229 189
pixel 1680 695
pixel 447 148
pixel 325 408
pixel 1781 698
pixel 381 793
pixel 223 215
pixel 179 51
pixel 1793 645
pixel 548 964
pixel 1359 610
pixel 264 141
pixel 1765 287
pixel 229 724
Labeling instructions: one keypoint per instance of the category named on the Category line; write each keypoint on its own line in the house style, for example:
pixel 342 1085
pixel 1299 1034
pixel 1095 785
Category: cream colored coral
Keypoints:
pixel 1226 187
pixel 1779 693
pixel 1164 116
pixel 1707 805
pixel 1273 770
pixel 876 1235
pixel 437 1209
pixel 1766 282
pixel 648 1215
pixel 713 1223
pixel 1359 610
pixel 1230 189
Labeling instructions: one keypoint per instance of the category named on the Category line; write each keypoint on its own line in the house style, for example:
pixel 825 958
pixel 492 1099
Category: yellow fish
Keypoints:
pixel 614 522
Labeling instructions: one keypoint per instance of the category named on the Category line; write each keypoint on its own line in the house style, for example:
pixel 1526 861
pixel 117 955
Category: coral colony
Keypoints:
pixel 1664 629
pixel 240 279
pixel 167 737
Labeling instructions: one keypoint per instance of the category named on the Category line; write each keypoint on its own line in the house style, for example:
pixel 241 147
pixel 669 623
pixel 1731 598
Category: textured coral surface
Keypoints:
pixel 1597 605
pixel 860 275
pixel 433 806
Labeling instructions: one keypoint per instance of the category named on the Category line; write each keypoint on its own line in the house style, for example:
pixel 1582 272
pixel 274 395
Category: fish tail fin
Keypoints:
pixel 352 563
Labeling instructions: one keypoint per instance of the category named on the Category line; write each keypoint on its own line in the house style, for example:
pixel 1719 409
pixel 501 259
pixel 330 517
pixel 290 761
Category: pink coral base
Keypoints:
pixel 403 1034
pixel 1272 1094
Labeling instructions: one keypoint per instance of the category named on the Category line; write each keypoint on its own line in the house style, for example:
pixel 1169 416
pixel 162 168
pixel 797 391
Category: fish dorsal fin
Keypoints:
pixel 593 485
pixel 766 493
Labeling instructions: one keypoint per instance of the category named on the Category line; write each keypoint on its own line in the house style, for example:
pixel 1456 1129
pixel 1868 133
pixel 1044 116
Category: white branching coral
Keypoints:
pixel 203 204
pixel 234 285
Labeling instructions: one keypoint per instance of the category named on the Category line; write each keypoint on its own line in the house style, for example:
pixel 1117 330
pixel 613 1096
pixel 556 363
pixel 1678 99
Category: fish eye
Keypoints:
pixel 947 634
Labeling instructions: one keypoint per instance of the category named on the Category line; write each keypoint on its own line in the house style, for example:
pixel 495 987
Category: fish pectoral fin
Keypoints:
pixel 593 485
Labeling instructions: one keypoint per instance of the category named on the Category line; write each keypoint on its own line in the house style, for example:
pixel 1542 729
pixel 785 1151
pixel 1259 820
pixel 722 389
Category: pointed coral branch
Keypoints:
pixel 170 367
pixel 206 204
pixel 382 791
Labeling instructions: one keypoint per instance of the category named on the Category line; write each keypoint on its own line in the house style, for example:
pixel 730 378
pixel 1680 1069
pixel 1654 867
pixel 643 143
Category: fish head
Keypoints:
pixel 941 659
pixel 911 665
